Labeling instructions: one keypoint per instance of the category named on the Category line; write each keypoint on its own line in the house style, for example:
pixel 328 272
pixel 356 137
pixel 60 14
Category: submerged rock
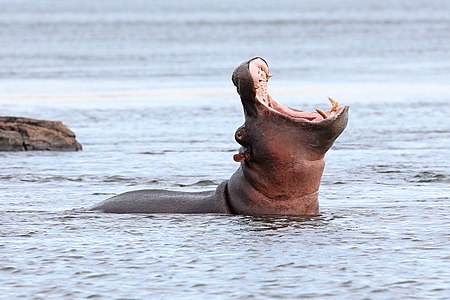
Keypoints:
pixel 23 134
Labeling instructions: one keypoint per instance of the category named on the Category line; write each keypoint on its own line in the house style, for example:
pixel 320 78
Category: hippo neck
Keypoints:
pixel 255 190
pixel 280 169
pixel 281 180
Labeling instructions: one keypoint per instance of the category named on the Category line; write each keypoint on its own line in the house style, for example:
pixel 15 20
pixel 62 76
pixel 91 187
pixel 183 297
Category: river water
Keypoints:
pixel 146 88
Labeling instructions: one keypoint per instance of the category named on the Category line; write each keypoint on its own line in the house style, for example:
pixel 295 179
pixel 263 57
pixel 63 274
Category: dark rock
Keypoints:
pixel 23 134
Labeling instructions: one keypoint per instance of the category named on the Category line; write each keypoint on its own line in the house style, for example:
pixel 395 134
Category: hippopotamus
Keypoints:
pixel 282 159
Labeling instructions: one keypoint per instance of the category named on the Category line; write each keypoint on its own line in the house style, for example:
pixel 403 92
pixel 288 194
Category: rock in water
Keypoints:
pixel 23 134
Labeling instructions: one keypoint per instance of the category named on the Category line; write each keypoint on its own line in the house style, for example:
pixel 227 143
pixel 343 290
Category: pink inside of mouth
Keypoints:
pixel 259 71
pixel 293 113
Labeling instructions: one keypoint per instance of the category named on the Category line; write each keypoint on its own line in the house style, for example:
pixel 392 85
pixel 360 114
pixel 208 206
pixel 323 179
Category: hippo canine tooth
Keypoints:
pixel 334 104
pixel 264 68
pixel 322 113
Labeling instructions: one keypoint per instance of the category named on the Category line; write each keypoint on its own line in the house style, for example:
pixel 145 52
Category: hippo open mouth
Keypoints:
pixel 259 72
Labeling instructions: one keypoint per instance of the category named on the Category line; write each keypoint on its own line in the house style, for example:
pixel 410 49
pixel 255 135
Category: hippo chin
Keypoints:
pixel 282 159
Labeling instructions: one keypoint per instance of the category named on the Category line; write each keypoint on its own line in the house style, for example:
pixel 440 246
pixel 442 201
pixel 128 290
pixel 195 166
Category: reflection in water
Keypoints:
pixel 262 223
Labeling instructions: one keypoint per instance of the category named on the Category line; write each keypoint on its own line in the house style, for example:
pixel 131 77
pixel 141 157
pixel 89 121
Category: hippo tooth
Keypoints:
pixel 334 104
pixel 264 69
pixel 324 115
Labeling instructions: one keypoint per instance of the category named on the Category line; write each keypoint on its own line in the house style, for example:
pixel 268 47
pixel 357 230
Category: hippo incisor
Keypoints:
pixel 281 159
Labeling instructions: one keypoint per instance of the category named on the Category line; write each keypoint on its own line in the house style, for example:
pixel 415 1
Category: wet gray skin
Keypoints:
pixel 282 159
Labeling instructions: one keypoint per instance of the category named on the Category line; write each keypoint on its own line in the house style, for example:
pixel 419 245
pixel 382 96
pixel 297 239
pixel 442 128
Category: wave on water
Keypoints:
pixel 128 181
pixel 430 177
pixel 199 183
pixel 84 178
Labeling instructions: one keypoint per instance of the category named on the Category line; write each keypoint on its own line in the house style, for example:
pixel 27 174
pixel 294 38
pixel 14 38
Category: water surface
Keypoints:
pixel 146 88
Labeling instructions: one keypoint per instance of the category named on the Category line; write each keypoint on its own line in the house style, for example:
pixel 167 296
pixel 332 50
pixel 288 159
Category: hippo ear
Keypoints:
pixel 245 87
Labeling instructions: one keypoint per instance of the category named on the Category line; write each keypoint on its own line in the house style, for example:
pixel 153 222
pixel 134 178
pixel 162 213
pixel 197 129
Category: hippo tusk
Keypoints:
pixel 322 113
pixel 334 104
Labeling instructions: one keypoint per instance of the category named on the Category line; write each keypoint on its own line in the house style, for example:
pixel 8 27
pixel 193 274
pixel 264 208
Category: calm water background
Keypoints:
pixel 145 85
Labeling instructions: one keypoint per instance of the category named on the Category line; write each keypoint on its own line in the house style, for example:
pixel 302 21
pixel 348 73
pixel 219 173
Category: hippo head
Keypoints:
pixel 283 149
pixel 272 127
